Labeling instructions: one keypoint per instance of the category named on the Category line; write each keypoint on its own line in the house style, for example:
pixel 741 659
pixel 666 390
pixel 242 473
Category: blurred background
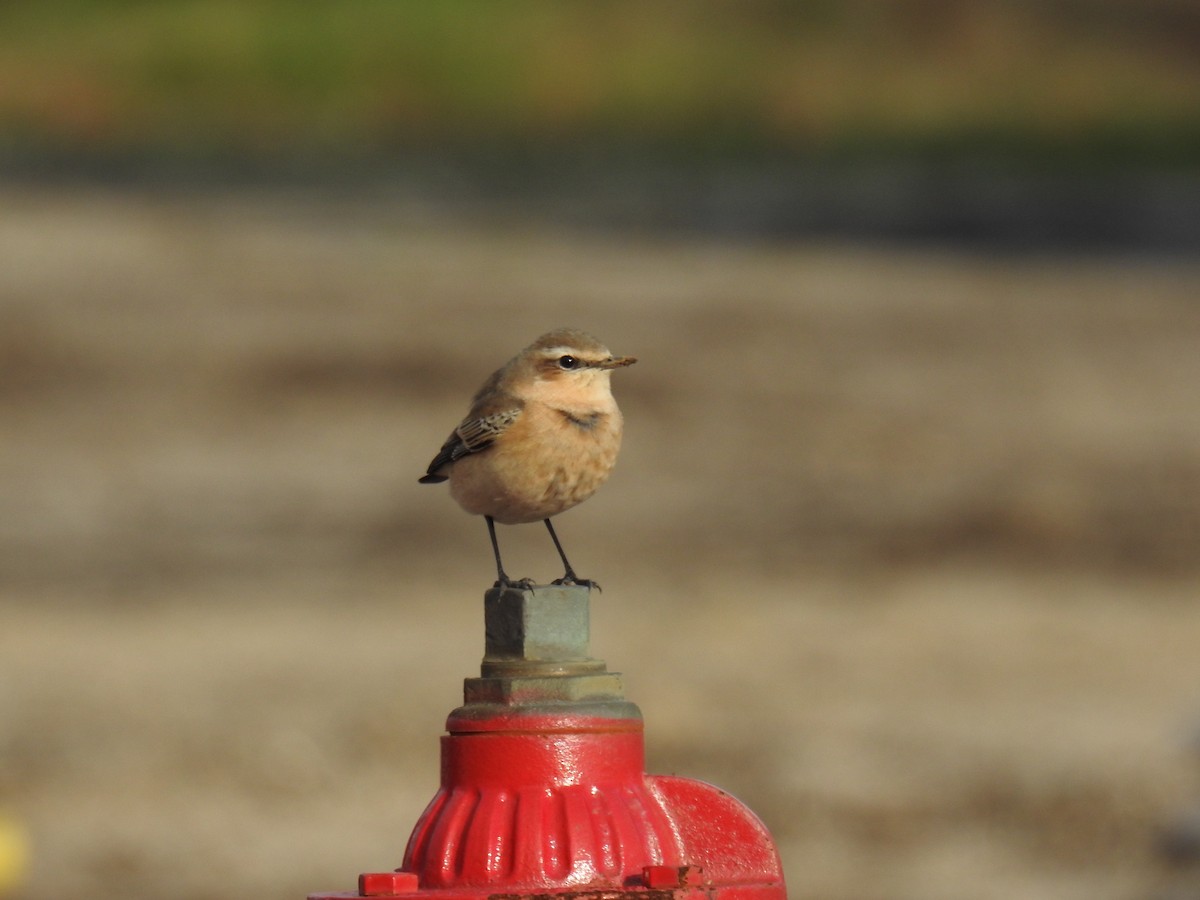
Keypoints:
pixel 911 473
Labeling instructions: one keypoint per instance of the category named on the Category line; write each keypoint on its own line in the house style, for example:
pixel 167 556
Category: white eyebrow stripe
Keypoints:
pixel 585 359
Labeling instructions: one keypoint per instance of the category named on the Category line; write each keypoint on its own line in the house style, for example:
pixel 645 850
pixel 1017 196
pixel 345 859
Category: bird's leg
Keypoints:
pixel 503 581
pixel 569 577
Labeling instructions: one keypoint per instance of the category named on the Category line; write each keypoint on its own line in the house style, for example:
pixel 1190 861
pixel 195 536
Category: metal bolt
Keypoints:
pixel 386 884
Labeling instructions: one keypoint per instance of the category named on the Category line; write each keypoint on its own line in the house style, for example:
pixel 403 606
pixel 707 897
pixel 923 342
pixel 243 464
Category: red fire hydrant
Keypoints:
pixel 544 791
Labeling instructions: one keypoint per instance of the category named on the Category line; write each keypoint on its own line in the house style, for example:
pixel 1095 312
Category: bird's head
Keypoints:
pixel 570 360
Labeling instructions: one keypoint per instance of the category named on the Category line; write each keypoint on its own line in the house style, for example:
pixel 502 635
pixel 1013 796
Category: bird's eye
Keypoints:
pixel 567 362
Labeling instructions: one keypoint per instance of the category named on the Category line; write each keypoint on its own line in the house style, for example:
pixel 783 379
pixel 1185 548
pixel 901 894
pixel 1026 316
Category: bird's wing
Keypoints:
pixel 474 434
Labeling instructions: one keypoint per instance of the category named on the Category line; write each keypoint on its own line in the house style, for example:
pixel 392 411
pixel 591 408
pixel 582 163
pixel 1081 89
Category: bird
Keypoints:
pixel 541 436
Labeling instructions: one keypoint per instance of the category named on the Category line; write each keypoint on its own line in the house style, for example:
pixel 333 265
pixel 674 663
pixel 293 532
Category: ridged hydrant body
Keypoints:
pixel 544 791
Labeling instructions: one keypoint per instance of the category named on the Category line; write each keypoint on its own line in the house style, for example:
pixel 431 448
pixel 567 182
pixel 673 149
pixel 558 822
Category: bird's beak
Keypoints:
pixel 616 362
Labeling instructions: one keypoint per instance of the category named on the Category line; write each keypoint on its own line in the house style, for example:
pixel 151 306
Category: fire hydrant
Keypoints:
pixel 544 791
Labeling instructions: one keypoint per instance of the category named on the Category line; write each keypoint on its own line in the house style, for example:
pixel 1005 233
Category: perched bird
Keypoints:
pixel 541 436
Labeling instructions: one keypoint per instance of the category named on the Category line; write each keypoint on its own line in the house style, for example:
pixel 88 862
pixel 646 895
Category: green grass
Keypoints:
pixel 1088 79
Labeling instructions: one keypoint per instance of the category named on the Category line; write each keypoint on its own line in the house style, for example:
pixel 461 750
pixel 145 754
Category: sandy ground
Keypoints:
pixel 902 547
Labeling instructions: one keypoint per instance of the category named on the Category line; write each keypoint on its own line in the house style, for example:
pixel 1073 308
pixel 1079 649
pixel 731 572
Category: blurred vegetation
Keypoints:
pixel 1107 81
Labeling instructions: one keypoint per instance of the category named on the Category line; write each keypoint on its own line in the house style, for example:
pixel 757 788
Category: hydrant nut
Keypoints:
pixel 386 884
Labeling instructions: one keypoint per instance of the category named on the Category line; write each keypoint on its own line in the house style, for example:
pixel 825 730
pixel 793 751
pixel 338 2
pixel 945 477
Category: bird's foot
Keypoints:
pixel 520 584
pixel 570 578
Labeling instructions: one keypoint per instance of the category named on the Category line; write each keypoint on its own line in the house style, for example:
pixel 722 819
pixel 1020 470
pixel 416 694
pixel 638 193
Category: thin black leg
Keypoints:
pixel 569 576
pixel 502 580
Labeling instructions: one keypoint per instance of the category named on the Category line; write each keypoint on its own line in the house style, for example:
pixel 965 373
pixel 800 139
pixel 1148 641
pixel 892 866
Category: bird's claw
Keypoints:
pixel 520 584
pixel 570 578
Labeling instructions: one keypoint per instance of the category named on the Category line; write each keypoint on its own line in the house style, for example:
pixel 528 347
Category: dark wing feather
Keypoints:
pixel 471 436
